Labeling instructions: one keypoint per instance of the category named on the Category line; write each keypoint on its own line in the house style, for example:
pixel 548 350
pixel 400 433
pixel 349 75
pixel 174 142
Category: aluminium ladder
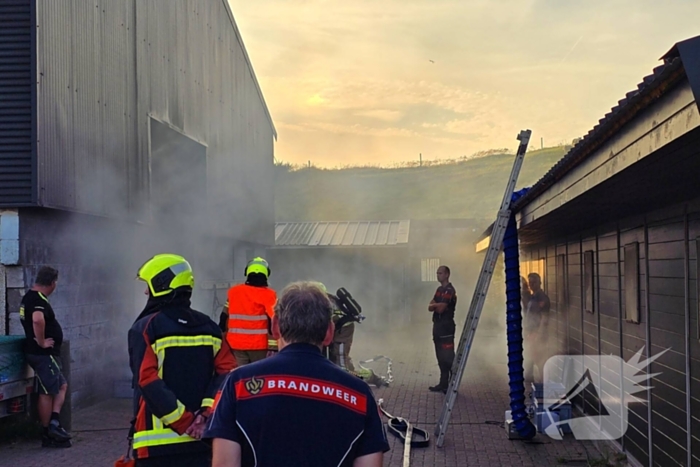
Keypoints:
pixel 482 287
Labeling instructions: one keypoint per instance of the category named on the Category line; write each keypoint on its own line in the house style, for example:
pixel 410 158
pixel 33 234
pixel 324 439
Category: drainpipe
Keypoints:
pixel 514 328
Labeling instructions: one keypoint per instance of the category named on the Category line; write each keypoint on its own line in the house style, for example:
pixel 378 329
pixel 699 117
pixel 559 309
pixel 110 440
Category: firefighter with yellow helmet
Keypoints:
pixel 248 313
pixel 179 361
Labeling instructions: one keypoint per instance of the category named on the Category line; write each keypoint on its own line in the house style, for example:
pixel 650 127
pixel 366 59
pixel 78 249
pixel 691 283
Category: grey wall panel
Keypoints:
pixel 17 182
pixel 109 66
pixel 201 83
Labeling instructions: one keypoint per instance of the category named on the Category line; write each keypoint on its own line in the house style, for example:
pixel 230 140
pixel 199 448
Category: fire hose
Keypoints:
pixel 402 429
pixel 389 378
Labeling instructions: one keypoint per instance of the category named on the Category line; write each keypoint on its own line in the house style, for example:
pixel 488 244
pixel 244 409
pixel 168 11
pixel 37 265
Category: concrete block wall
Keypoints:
pixel 96 297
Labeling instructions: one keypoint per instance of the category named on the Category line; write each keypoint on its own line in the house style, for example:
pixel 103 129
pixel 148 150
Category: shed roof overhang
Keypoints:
pixel 641 155
pixel 648 163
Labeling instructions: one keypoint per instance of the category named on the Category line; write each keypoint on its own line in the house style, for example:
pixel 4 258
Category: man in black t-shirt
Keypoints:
pixel 43 351
pixel 443 308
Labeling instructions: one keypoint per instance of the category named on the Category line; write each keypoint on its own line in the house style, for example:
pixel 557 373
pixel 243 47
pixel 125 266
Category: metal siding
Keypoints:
pixel 339 234
pixel 361 233
pixel 318 234
pixel 350 234
pixel 328 235
pixel 335 234
pixel 382 234
pixel 391 233
pixel 371 236
pixel 17 184
pixel 108 66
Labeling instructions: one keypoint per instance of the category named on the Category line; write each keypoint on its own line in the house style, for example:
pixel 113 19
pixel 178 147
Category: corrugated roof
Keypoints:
pixel 342 233
pixel 662 79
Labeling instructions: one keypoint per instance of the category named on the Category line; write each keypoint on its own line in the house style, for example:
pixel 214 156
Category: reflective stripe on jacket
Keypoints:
pixel 250 310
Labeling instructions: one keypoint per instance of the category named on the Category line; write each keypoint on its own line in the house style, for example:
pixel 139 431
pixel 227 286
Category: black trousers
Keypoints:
pixel 199 459
pixel 445 353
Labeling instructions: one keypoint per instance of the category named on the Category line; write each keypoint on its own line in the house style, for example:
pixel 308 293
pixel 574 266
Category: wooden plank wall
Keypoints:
pixel 694 341
pixel 668 310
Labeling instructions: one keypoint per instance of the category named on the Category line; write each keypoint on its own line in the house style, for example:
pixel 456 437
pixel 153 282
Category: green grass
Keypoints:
pixel 459 189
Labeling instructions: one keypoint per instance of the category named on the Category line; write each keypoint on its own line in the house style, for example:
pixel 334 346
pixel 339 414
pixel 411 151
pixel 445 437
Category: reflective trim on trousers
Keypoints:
pixel 341 355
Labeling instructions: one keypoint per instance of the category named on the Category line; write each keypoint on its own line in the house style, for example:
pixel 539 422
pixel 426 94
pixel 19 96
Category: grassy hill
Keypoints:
pixel 466 189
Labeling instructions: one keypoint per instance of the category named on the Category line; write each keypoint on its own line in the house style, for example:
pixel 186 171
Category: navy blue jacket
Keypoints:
pixel 298 409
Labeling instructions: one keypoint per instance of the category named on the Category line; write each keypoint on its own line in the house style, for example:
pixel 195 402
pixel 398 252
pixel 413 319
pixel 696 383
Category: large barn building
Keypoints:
pixel 127 128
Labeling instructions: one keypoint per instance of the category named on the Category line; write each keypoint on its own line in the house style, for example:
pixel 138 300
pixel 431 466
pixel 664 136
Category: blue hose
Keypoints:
pixel 514 328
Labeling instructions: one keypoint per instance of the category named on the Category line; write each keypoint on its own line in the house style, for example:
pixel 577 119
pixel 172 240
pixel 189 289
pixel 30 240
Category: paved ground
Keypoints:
pixel 475 437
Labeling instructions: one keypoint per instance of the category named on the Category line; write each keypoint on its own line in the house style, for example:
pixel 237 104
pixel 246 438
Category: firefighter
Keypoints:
pixel 179 360
pixel 344 320
pixel 339 350
pixel 247 315
pixel 442 306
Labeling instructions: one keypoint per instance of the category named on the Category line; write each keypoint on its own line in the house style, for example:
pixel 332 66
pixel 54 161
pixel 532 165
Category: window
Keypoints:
pixel 632 282
pixel 588 281
pixel 428 268
pixel 536 265
pixel 562 299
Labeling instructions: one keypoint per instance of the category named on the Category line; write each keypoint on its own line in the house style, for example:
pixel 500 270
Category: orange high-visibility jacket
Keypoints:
pixel 250 310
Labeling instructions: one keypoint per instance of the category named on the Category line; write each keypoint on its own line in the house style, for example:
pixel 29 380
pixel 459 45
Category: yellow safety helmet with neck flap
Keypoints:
pixel 258 265
pixel 166 272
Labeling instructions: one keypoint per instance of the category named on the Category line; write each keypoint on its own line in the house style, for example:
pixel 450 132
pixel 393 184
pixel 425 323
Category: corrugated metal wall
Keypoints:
pixel 16 117
pixel 106 67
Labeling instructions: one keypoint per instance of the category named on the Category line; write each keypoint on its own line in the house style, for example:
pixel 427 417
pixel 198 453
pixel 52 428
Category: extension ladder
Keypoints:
pixel 482 287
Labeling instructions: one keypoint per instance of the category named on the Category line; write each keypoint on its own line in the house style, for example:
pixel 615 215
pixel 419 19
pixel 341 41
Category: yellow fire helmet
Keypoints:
pixel 165 273
pixel 258 265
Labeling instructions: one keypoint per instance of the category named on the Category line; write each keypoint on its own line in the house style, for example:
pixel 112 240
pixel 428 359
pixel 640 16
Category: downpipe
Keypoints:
pixel 514 327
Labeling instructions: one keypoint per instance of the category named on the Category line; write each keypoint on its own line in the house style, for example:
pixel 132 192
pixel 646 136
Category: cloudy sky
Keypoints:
pixel 380 81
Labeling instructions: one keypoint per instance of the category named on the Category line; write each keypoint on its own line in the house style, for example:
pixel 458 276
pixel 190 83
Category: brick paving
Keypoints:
pixel 475 436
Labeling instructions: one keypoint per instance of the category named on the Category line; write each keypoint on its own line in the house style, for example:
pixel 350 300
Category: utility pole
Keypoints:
pixel 420 159
pixel 541 142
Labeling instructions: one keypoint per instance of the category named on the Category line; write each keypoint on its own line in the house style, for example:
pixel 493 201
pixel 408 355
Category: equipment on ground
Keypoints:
pixel 482 286
pixel 402 429
pixel 389 378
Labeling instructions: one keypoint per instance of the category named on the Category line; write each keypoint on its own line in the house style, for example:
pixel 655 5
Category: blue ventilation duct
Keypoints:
pixel 514 327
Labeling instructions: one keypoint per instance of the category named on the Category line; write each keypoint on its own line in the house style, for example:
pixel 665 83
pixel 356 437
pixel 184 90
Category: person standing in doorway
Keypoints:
pixel 443 307
pixel 43 351
pixel 535 333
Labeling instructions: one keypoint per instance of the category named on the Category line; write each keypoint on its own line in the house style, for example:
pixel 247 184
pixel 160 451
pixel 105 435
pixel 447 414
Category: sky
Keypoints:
pixel 380 82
